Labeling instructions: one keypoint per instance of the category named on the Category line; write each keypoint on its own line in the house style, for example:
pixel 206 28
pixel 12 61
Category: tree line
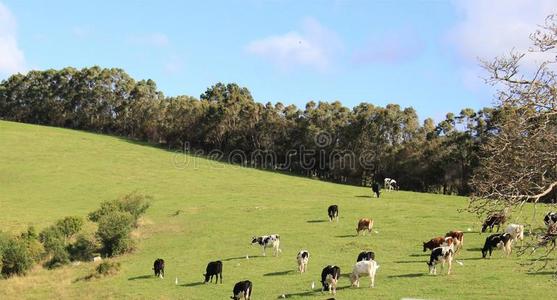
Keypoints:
pixel 325 139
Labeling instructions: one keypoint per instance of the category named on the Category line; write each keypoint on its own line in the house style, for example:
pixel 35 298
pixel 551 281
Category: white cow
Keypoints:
pixel 302 258
pixel 516 231
pixel 268 241
pixel 365 268
pixel 390 184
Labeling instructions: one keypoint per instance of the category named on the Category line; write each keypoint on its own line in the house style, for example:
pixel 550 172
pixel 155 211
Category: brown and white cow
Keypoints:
pixel 364 225
pixel 434 243
pixel 458 237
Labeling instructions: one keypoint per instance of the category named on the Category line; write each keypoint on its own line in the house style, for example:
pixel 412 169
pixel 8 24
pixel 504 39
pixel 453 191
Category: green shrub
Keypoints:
pixel 54 243
pixel 69 226
pixel 135 204
pixel 113 233
pixel 36 249
pixel 83 248
pixel 16 259
pixel 107 268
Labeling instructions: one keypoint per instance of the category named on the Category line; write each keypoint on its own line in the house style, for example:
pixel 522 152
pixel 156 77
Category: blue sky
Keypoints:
pixel 415 53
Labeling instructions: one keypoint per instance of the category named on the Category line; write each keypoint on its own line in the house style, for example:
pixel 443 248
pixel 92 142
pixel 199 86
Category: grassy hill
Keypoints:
pixel 48 173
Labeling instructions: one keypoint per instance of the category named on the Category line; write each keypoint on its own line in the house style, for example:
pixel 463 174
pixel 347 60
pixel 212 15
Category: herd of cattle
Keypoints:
pixel 443 250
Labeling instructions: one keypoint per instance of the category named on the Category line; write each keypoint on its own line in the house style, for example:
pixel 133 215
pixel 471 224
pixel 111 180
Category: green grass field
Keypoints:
pixel 48 173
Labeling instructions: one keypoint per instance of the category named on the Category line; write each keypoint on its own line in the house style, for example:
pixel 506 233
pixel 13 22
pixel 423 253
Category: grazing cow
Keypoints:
pixel 242 290
pixel 440 255
pixel 390 184
pixel 365 267
pixel 550 218
pixel 376 190
pixel 495 219
pixel 158 267
pixel 498 240
pixel 332 211
pixel 516 231
pixel 434 243
pixel 268 241
pixel 366 255
pixel 302 258
pixel 329 278
pixel 364 225
pixel 458 238
pixel 214 268
pixel 549 236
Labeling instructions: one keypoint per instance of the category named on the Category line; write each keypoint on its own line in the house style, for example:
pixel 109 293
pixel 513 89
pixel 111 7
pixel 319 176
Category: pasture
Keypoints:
pixel 204 210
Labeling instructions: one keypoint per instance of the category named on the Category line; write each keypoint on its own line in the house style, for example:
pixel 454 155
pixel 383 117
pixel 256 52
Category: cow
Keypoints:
pixel 516 231
pixel 332 211
pixel 390 184
pixel 498 240
pixel 440 255
pixel 375 189
pixel 302 258
pixel 549 236
pixel 434 243
pixel 242 290
pixel 366 255
pixel 364 225
pixel 458 237
pixel 158 267
pixel 268 241
pixel 214 268
pixel 366 268
pixel 550 218
pixel 329 278
pixel 449 242
pixel 495 219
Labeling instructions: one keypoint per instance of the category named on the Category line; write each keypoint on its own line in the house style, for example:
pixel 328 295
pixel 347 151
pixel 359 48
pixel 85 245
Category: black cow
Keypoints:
pixel 214 268
pixel 376 189
pixel 158 267
pixel 491 221
pixel 332 211
pixel 366 255
pixel 329 278
pixel 550 218
pixel 242 290
pixel 502 240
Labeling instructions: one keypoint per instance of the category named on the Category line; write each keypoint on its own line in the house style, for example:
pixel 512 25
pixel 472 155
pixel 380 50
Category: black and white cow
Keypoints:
pixel 268 241
pixel 158 267
pixel 375 189
pixel 550 218
pixel 498 240
pixel 329 278
pixel 440 255
pixel 366 255
pixel 332 211
pixel 242 290
pixel 302 258
pixel 214 268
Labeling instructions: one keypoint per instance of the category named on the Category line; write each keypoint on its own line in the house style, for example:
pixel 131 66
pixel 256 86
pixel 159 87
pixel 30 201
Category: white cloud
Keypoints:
pixel 153 39
pixel 393 47
pixel 12 59
pixel 312 46
pixel 492 28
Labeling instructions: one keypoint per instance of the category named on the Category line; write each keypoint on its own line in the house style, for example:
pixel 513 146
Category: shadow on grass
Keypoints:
pixel 363 196
pixel 474 249
pixel 280 273
pixel 141 277
pixel 313 293
pixel 471 258
pixel 543 273
pixel 316 221
pixel 409 261
pixel 418 255
pixel 241 257
pixel 346 236
pixel 192 284
pixel 411 275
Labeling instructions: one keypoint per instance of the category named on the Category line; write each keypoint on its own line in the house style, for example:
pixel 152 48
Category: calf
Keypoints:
pixel 550 219
pixel 498 240
pixel 329 278
pixel 302 258
pixel 242 290
pixel 366 255
pixel 516 231
pixel 458 237
pixel 214 268
pixel 158 267
pixel 434 243
pixel 364 225
pixel 268 241
pixel 495 219
pixel 332 211
pixel 376 190
pixel 366 268
pixel 440 255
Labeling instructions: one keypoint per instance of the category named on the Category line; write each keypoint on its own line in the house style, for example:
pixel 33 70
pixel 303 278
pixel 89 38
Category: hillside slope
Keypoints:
pixel 48 173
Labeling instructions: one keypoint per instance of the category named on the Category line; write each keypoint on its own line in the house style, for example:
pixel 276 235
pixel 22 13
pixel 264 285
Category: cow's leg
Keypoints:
pixel 450 263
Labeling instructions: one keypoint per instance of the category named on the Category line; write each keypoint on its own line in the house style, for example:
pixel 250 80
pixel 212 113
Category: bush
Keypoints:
pixel 15 256
pixel 83 249
pixel 135 204
pixel 69 226
pixel 107 268
pixel 113 233
pixel 36 249
pixel 54 243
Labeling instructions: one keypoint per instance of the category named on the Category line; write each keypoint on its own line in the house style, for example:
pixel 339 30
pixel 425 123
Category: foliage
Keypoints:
pixel 83 248
pixel 69 226
pixel 107 268
pixel 114 232
pixel 15 256
pixel 134 203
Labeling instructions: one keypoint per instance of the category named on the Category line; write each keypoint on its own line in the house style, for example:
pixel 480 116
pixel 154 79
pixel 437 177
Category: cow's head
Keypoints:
pixel 484 226
pixel 206 278
pixel 254 240
pixel 484 253
pixel 430 266
pixel 425 247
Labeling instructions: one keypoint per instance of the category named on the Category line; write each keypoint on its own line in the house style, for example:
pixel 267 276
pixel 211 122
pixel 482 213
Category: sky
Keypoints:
pixel 423 54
